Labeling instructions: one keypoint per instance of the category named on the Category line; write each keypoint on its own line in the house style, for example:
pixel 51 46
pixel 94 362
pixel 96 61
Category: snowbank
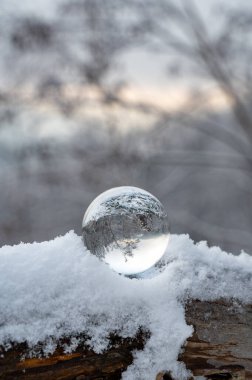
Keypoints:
pixel 57 288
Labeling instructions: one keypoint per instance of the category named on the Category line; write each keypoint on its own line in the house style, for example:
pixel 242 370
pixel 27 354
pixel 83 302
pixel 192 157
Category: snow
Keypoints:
pixel 57 288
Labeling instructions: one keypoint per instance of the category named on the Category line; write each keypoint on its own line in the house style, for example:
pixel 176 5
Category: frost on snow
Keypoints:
pixel 53 289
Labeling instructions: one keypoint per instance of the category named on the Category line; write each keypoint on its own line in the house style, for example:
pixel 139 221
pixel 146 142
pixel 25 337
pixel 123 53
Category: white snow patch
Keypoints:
pixel 57 288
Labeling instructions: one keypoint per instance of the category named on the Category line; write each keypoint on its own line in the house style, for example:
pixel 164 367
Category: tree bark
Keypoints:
pixel 220 348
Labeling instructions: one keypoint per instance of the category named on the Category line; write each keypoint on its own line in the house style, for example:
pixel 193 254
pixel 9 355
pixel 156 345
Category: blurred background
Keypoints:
pixel 155 94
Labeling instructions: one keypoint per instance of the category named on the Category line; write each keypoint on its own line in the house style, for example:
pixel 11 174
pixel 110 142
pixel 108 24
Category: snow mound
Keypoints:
pixel 57 288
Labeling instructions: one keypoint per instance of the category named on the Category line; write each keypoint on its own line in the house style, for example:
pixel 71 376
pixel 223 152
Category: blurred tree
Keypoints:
pixel 214 49
pixel 219 50
pixel 59 59
pixel 98 37
pixel 31 33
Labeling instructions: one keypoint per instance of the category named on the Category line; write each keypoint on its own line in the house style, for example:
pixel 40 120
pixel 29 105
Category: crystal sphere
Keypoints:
pixel 127 228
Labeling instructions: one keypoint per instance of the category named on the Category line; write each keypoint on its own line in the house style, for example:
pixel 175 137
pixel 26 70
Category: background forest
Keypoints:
pixel 103 93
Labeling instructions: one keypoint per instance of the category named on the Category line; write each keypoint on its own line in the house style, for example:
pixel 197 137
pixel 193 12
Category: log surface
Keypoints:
pixel 222 339
pixel 220 348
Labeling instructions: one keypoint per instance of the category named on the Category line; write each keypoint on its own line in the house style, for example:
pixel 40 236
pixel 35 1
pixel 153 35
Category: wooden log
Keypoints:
pixel 220 348
pixel 222 341
pixel 82 364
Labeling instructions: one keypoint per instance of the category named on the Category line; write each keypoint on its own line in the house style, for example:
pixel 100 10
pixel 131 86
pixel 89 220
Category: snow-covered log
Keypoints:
pixel 66 315
pixel 220 348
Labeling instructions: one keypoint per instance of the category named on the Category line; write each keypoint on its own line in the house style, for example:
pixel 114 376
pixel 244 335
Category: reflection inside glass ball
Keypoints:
pixel 127 228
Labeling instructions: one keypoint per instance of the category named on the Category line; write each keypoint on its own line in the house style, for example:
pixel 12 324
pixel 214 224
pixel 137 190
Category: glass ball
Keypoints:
pixel 127 228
